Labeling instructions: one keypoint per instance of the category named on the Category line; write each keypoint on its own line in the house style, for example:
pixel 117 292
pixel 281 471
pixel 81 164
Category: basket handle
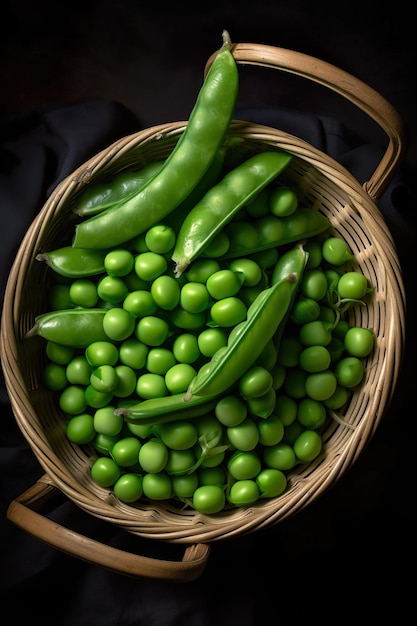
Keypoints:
pixel 23 512
pixel 346 85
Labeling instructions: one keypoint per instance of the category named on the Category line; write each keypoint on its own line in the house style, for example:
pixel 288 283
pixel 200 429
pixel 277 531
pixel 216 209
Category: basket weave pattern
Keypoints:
pixel 321 183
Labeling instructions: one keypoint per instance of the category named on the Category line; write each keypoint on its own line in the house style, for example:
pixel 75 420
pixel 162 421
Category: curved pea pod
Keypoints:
pixel 273 231
pixel 167 409
pixel 99 196
pixel 246 341
pixel 190 159
pixel 266 320
pixel 219 205
pixel 74 262
pixel 76 328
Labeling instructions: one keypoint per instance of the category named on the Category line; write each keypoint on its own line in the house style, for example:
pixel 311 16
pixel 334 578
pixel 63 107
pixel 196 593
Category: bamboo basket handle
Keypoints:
pixel 23 512
pixel 346 85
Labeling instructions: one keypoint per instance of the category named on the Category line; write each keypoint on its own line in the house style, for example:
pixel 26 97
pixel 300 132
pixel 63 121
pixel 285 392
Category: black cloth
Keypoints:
pixel 357 532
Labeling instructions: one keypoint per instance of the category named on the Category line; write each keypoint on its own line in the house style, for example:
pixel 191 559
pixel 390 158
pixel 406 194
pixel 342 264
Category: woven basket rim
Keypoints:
pixel 360 216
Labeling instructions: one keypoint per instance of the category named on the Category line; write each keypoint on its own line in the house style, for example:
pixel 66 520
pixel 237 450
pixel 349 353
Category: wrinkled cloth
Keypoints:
pixel 357 532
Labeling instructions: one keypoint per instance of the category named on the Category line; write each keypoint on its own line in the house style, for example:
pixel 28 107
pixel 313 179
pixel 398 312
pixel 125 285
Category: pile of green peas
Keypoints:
pixel 160 329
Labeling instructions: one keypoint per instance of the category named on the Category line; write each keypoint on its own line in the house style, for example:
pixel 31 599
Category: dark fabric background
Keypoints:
pixel 361 531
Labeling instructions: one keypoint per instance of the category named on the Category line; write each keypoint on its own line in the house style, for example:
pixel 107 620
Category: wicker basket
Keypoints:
pixel 322 183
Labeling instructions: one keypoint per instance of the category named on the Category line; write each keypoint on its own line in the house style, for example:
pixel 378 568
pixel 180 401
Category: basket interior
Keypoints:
pixel 320 183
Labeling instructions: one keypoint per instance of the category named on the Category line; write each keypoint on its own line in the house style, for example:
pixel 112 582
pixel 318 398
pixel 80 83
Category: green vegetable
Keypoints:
pixel 102 195
pixel 77 328
pixel 272 231
pixel 222 202
pixel 167 409
pixel 246 341
pixel 74 262
pixel 182 170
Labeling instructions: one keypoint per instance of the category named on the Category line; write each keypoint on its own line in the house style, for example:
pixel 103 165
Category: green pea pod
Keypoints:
pixel 167 409
pixel 293 260
pixel 74 262
pixel 183 169
pixel 246 341
pixel 76 328
pixel 99 196
pixel 210 178
pixel 222 202
pixel 276 231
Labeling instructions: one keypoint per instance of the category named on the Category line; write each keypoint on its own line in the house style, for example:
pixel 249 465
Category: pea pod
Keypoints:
pixel 222 202
pixel 74 262
pixel 167 409
pixel 99 196
pixel 273 231
pixel 76 328
pixel 183 169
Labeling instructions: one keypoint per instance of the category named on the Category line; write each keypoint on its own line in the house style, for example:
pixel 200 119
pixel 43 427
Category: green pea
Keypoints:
pixel 231 410
pixel 128 487
pixel 244 464
pixel 280 456
pixel 201 269
pixel 59 297
pixel 152 330
pixel 106 422
pixel 118 324
pixel 72 400
pixel 255 382
pixel 97 399
pixel 157 486
pixel 153 456
pixel 54 376
pixel 104 378
pixel 311 413
pixel 210 340
pixel 228 312
pixel 151 386
pixel 78 371
pixel 250 269
pixel 271 430
pixel 59 354
pixel 140 303
pixel 105 471
pixel 101 353
pixel 243 492
pixel 126 451
pixel 223 284
pixel 83 292
pixel 308 446
pixel 271 482
pixel 187 320
pixel 283 201
pixel 179 377
pixel 286 409
pixel 112 289
pixel 133 353
pixel 119 262
pixel 186 349
pixel 184 486
pixel 166 292
pixel 80 429
pixel 150 265
pixel 195 297
pixel 159 360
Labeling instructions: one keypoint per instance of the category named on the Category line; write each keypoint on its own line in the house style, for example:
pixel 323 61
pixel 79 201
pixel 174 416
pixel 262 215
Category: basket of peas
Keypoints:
pixel 204 325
